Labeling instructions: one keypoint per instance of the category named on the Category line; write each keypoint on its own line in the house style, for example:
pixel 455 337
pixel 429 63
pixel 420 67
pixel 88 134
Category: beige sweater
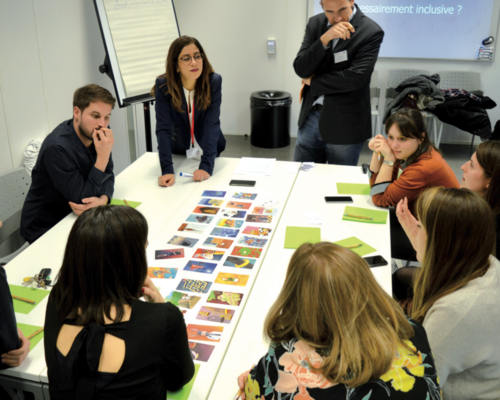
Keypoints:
pixel 463 329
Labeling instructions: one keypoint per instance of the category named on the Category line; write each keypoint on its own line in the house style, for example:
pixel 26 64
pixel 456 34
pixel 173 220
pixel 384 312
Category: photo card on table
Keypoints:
pixel 240 205
pixel 213 193
pixel 225 232
pixel 206 333
pixel 221 243
pixel 227 298
pixel 206 210
pixel 232 213
pixel 200 219
pixel 162 273
pixel 200 351
pixel 207 254
pixel 185 227
pixel 166 254
pixel 183 300
pixel 260 219
pixel 183 241
pixel 226 278
pixel 244 196
pixel 257 231
pixel 246 252
pixel 229 223
pixel 200 266
pixel 236 262
pixel 194 285
pixel 213 314
pixel 211 202
pixel 252 241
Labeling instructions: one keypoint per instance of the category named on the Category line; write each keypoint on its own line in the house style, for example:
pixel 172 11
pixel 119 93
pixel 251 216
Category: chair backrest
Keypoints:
pixel 396 76
pixel 14 186
pixel 374 90
pixel 470 81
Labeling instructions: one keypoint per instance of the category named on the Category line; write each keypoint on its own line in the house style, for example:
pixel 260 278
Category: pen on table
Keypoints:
pixel 357 216
pixel 24 299
pixel 35 333
pixel 126 202
pixel 354 246
pixel 185 175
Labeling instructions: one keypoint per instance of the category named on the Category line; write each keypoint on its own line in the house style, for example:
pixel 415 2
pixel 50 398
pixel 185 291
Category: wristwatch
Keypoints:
pixel 389 163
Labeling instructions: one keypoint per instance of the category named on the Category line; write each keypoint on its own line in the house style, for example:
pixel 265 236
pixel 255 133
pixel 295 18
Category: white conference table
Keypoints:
pixel 166 208
pixel 248 344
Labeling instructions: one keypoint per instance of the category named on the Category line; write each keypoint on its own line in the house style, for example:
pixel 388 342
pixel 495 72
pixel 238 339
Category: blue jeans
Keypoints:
pixel 310 147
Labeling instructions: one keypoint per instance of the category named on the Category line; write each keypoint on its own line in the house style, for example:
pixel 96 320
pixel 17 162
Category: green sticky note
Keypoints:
pixel 297 235
pixel 353 188
pixel 133 204
pixel 28 330
pixel 362 250
pixel 184 393
pixel 375 216
pixel 33 294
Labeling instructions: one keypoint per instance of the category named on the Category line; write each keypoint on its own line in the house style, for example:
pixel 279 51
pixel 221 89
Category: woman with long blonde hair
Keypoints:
pixel 456 291
pixel 335 333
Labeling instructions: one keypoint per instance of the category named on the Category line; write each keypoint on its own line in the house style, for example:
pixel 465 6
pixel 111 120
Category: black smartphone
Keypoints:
pixel 375 261
pixel 338 199
pixel 242 183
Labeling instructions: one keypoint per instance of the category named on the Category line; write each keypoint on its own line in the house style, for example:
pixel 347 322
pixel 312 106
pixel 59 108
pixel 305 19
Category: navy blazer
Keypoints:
pixel 173 130
pixel 346 114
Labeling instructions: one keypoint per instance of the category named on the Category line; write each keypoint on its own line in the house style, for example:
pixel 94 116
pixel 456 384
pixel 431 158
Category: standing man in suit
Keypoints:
pixel 335 62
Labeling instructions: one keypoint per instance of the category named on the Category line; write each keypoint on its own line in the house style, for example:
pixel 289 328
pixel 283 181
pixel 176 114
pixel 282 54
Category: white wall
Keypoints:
pixel 51 47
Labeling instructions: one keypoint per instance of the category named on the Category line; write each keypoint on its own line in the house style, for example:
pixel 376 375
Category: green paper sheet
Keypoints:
pixel 297 235
pixel 184 393
pixel 33 294
pixel 28 330
pixel 133 204
pixel 379 217
pixel 360 251
pixel 353 188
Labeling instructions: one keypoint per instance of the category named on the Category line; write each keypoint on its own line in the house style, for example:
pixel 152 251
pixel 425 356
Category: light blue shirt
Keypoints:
pixel 320 99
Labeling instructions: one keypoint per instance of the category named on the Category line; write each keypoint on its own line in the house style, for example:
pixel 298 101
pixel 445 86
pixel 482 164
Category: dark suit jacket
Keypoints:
pixel 346 115
pixel 173 129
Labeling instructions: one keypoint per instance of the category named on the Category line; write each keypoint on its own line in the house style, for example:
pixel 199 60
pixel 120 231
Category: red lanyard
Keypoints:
pixel 192 119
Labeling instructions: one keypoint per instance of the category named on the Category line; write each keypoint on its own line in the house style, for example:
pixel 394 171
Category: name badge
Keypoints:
pixel 340 56
pixel 193 152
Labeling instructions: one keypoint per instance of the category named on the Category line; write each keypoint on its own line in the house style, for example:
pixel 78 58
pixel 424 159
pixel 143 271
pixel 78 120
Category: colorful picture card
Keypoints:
pixel 200 266
pixel 207 254
pixel 246 252
pixel 206 333
pixel 244 196
pixel 232 213
pixel 228 298
pixel 206 210
pixel 238 205
pixel 211 202
pixel 183 241
pixel 200 219
pixel 213 193
pixel 162 273
pixel 260 219
pixel 194 285
pixel 183 300
pixel 257 231
pixel 264 210
pixel 166 254
pixel 229 223
pixel 192 228
pixel 200 351
pixel 236 262
pixel 252 241
pixel 218 242
pixel 226 278
pixel 225 232
pixel 213 314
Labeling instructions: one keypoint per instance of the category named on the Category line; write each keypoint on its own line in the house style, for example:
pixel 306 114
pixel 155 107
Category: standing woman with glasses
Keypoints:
pixel 188 98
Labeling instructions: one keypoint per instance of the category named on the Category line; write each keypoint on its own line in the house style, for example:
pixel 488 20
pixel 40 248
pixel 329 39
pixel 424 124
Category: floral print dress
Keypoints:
pixel 285 374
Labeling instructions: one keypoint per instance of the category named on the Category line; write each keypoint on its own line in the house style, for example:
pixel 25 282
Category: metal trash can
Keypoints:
pixel 270 118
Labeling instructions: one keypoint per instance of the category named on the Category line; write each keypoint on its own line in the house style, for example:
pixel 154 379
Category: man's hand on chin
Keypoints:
pixel 88 203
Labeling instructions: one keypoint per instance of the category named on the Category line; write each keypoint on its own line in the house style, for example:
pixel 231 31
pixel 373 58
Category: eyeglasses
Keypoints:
pixel 187 59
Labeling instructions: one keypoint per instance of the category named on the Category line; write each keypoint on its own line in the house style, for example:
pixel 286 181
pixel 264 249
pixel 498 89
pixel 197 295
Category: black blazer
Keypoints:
pixel 346 115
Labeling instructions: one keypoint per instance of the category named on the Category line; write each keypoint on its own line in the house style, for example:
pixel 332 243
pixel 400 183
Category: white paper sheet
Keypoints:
pixel 255 166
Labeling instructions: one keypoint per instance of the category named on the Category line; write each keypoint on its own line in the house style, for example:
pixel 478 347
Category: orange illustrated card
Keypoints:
pixel 231 279
pixel 206 333
pixel 239 205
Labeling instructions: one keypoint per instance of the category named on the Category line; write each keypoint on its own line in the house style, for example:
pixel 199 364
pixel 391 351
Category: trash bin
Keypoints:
pixel 270 118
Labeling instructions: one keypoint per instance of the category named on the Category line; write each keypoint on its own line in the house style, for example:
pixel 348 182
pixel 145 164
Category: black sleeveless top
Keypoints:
pixel 157 356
